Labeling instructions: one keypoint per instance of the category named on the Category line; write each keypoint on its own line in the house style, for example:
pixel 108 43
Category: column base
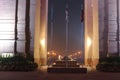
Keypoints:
pixel 91 62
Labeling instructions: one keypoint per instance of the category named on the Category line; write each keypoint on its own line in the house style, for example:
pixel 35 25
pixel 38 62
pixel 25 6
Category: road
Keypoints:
pixel 38 75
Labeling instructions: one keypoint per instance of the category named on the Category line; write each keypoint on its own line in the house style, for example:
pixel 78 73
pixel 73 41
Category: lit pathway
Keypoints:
pixel 37 75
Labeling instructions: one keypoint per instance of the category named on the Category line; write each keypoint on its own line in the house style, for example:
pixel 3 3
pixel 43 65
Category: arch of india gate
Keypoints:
pixel 91 32
pixel 24 29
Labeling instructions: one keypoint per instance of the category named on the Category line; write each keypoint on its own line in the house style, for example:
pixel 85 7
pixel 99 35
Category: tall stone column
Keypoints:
pixel 113 31
pixel 40 45
pixel 21 26
pixel 91 33
pixel 43 31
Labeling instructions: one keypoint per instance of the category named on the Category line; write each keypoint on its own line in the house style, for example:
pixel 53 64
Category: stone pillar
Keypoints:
pixel 103 29
pixel 21 26
pixel 37 33
pixel 113 30
pixel 91 33
pixel 40 45
pixel 43 31
pixel 7 24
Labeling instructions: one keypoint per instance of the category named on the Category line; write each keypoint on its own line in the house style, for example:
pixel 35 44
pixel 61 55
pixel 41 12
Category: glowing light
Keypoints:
pixel 7 31
pixel 54 63
pixel 6 55
pixel 53 53
pixel 89 41
pixel 6 27
pixel 42 42
pixel 79 52
pixel 48 53
pixel 6 44
pixel 59 57
pixel 70 55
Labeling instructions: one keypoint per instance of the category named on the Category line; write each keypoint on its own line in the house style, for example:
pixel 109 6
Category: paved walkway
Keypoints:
pixel 37 75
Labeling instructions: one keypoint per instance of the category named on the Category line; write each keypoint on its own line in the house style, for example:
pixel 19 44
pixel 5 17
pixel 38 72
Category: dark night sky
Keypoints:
pixel 75 29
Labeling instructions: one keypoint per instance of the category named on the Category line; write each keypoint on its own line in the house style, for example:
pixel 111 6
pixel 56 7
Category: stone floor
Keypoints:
pixel 38 75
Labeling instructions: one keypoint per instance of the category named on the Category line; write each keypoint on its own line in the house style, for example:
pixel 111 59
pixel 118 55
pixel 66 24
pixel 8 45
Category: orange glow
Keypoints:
pixel 79 52
pixel 42 42
pixel 59 57
pixel 48 53
pixel 53 53
pixel 89 41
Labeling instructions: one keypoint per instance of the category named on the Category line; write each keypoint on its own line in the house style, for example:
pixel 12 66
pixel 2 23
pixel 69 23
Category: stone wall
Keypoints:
pixel 7 24
pixel 108 27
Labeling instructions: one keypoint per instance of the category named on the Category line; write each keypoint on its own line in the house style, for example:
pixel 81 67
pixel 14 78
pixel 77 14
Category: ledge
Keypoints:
pixel 66 70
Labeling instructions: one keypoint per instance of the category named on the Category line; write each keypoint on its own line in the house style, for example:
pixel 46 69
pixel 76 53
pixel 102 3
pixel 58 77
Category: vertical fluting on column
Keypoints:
pixel 95 47
pixel 88 32
pixel 91 33
pixel 105 37
pixel 43 32
pixel 16 32
pixel 27 28
pixel 111 27
pixel 118 28
pixel 37 33
pixel 40 45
